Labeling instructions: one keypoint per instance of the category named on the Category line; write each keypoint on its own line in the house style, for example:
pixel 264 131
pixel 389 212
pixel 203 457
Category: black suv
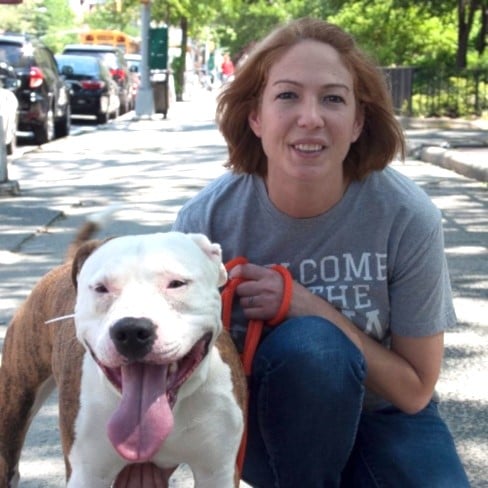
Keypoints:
pixel 43 96
pixel 114 59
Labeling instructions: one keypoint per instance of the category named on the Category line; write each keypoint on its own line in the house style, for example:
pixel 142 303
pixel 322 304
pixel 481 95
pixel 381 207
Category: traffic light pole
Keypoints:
pixel 144 96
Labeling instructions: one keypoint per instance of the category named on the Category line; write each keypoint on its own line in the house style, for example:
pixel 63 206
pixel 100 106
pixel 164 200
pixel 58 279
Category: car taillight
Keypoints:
pixel 92 84
pixel 35 77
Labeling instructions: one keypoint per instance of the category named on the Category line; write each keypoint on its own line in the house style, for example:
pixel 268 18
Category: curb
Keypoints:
pixel 453 160
pixel 441 123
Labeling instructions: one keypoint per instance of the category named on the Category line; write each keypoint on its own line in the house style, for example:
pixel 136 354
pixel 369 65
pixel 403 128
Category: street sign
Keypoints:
pixel 158 48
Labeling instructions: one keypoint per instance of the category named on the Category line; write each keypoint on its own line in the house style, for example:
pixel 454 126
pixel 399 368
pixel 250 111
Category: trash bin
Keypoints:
pixel 159 84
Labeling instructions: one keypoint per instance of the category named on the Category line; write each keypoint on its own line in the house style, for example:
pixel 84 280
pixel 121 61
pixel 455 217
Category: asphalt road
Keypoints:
pixel 149 168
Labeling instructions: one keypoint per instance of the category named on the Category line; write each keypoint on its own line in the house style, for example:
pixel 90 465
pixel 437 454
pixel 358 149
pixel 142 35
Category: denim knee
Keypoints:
pixel 316 348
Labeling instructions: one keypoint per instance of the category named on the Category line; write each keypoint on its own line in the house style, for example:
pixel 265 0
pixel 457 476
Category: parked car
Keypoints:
pixel 93 90
pixel 42 94
pixel 113 57
pixel 8 106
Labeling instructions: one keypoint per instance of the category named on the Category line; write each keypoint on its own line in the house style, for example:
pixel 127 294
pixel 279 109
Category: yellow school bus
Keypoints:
pixel 126 43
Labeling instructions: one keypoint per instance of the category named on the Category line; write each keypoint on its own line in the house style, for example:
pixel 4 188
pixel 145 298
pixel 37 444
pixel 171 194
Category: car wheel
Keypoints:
pixel 63 125
pixel 45 132
pixel 124 105
pixel 102 118
pixel 10 148
pixel 115 113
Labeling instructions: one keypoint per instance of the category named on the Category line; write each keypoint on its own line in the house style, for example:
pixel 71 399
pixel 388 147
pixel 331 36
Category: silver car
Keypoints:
pixel 8 106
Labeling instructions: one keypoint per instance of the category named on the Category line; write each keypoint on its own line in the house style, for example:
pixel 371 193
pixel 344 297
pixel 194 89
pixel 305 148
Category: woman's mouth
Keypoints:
pixel 308 148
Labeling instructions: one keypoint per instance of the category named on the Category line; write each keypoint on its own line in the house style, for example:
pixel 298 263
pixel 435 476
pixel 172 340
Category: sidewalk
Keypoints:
pixel 153 166
pixel 458 145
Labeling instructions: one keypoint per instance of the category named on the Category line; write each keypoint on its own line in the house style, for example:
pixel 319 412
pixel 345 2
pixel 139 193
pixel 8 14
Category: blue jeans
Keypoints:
pixel 307 428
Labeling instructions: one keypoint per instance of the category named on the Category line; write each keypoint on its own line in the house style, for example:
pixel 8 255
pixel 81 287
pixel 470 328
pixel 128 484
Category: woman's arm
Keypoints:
pixel 404 375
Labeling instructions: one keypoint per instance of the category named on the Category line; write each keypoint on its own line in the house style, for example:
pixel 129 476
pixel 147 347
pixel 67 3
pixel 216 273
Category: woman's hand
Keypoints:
pixel 262 291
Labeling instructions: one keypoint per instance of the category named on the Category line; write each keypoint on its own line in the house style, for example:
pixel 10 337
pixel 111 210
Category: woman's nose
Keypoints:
pixel 311 114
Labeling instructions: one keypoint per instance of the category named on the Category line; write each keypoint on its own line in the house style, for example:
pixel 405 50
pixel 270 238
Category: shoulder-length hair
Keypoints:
pixel 381 138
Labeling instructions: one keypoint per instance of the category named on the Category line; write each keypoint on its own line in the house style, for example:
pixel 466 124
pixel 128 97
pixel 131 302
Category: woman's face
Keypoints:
pixel 308 116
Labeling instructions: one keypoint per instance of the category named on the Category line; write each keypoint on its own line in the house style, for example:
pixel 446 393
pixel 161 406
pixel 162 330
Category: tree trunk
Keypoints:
pixel 481 38
pixel 180 74
pixel 184 39
pixel 466 11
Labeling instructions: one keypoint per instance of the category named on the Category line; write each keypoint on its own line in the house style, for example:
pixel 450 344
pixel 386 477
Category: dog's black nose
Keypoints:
pixel 133 337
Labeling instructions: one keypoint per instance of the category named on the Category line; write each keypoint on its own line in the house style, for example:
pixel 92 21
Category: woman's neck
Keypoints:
pixel 300 199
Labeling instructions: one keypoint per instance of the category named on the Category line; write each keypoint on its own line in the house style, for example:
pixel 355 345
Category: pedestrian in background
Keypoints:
pixel 342 392
pixel 227 68
pixel 211 69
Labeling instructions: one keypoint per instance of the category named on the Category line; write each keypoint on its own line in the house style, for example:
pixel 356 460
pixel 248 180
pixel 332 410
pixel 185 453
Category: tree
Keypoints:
pixel 471 22
pixel 468 11
pixel 393 35
pixel 250 20
pixel 117 15
pixel 45 19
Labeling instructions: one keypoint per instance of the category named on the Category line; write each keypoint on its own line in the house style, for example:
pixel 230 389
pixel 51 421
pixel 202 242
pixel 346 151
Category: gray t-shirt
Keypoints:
pixel 377 255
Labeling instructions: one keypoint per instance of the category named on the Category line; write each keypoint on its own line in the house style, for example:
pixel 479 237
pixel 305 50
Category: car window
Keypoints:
pixel 109 58
pixel 81 65
pixel 8 78
pixel 11 53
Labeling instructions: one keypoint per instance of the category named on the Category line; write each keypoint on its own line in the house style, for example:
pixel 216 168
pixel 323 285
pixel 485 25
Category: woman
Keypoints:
pixel 342 392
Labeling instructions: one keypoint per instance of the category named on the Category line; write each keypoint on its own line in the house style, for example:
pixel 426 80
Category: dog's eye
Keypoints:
pixel 176 284
pixel 101 288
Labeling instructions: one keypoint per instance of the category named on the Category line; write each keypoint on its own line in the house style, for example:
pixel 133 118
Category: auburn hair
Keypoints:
pixel 381 138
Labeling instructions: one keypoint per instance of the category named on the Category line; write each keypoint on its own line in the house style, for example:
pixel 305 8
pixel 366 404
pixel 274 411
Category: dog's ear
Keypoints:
pixel 80 257
pixel 214 252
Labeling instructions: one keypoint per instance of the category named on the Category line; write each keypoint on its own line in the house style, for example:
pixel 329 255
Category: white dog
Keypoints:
pixel 152 379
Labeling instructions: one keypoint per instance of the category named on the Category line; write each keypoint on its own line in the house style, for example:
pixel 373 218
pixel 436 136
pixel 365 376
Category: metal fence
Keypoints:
pixel 435 93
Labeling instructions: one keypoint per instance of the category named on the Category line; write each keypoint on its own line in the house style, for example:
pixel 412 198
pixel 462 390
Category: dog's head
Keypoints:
pixel 148 310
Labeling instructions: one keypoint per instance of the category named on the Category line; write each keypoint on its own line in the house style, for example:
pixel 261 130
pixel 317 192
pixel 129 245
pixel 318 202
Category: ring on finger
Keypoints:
pixel 250 301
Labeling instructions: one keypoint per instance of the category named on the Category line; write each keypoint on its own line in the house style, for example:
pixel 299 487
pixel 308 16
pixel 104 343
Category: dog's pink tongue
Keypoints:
pixel 143 418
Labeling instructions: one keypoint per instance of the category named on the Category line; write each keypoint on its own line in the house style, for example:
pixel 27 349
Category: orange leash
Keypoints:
pixel 254 327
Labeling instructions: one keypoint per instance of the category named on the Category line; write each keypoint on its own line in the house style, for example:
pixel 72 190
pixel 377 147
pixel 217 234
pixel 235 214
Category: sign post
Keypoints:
pixel 144 97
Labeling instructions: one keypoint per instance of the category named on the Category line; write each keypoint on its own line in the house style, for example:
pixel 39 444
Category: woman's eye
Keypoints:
pixel 333 99
pixel 176 284
pixel 286 95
